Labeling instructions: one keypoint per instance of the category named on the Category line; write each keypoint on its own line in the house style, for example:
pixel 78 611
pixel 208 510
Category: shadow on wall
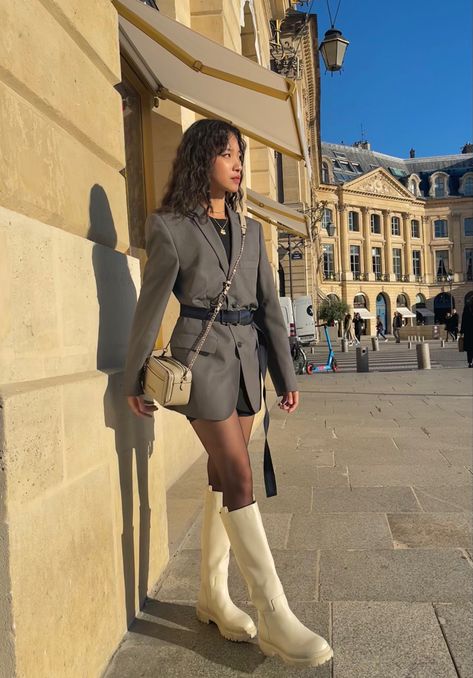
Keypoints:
pixel 116 295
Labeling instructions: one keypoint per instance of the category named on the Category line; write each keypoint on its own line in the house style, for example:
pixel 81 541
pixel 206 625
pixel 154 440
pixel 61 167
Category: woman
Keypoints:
pixel 348 329
pixel 466 330
pixel 193 241
pixel 358 325
pixel 380 328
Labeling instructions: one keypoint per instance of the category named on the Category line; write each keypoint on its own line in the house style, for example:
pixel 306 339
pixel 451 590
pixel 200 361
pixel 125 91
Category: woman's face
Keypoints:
pixel 225 174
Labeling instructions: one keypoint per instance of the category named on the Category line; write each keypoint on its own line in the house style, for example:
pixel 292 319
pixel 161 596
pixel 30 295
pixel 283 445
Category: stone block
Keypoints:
pixel 62 82
pixel 339 531
pixel 33 441
pixel 444 498
pixel 66 573
pixel 395 475
pixel 37 174
pixel 431 530
pixel 44 332
pixel 394 639
pixel 456 621
pixel 423 575
pixel 357 499
pixel 95 26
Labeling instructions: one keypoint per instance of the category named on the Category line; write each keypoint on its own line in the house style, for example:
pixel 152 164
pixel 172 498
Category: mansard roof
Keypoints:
pixel 348 162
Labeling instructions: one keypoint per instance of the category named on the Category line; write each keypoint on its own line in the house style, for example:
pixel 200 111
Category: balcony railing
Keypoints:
pixel 442 279
pixel 328 275
pixel 419 278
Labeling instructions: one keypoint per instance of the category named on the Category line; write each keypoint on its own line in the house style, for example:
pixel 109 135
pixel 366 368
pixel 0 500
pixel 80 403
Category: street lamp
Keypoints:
pixel 333 48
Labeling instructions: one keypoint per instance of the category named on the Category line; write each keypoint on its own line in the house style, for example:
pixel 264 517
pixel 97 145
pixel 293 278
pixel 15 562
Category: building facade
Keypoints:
pixel 403 234
pixel 87 144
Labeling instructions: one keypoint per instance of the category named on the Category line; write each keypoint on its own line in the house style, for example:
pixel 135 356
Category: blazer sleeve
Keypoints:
pixel 159 276
pixel 269 318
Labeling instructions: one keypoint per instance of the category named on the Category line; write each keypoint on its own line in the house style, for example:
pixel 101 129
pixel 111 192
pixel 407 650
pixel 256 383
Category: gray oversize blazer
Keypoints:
pixel 186 256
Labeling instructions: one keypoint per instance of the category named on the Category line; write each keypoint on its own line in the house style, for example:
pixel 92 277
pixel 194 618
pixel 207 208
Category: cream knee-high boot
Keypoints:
pixel 214 602
pixel 279 630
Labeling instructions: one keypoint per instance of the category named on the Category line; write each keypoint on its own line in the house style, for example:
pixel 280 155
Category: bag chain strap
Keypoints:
pixel 226 286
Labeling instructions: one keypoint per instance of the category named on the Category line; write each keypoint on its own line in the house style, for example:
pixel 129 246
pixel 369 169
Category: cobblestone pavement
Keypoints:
pixel 371 533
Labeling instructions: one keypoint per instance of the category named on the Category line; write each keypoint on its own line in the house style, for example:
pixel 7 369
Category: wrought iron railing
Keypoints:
pixel 331 275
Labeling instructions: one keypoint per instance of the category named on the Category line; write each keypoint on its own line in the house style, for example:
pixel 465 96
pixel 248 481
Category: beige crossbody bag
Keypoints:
pixel 167 380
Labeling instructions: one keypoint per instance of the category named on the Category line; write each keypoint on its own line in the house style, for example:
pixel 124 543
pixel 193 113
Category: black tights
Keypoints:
pixel 228 466
pixel 469 357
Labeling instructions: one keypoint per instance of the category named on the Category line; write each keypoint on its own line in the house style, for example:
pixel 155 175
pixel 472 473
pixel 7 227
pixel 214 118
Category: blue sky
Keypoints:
pixel 407 75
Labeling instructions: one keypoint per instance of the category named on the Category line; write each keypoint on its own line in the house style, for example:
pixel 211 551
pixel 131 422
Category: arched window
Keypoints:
pixel 333 297
pixel 413 187
pixel 401 300
pixel 359 301
pixel 420 300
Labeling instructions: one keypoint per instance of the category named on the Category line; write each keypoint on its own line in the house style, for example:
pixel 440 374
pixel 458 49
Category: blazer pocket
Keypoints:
pixel 187 340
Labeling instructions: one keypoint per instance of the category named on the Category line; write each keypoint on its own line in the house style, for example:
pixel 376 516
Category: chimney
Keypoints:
pixel 467 148
pixel 365 145
pixel 412 153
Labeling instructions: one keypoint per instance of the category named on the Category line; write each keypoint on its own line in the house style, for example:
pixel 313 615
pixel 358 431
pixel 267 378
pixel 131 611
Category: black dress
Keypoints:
pixel 243 406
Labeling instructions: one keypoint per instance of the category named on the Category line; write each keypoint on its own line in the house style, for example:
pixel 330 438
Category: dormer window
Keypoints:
pixel 325 173
pixel 439 185
pixel 414 185
pixel 466 184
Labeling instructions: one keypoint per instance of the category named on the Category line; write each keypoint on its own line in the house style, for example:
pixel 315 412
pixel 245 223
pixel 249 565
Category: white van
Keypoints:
pixel 288 315
pixel 304 319
pixel 299 318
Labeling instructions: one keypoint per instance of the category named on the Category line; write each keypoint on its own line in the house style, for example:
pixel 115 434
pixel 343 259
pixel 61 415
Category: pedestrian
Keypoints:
pixel 191 240
pixel 448 324
pixel 454 321
pixel 397 324
pixel 358 325
pixel 380 328
pixel 348 329
pixel 466 330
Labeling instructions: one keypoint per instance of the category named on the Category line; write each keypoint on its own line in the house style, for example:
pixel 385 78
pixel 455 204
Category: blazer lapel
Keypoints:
pixel 208 229
pixel 236 238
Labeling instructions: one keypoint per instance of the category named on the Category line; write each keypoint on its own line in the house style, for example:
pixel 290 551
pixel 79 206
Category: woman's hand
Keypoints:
pixel 139 407
pixel 289 401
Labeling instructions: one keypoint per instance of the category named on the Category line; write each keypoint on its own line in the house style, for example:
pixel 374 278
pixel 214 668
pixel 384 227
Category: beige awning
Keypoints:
pixel 404 311
pixel 285 218
pixel 364 313
pixel 199 74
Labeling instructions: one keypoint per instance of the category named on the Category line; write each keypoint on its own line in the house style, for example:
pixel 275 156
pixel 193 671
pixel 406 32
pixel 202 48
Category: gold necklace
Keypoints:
pixel 217 225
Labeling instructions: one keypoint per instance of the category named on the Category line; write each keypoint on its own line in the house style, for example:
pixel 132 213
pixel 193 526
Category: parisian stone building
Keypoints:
pixel 403 234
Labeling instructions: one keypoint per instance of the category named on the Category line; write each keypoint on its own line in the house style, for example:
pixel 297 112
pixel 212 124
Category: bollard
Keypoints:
pixel 423 356
pixel 344 345
pixel 362 364
pixel 422 338
pixel 442 343
pixel 409 344
pixel 375 343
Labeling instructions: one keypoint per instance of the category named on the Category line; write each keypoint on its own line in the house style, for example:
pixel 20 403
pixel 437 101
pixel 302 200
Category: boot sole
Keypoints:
pixel 316 660
pixel 242 637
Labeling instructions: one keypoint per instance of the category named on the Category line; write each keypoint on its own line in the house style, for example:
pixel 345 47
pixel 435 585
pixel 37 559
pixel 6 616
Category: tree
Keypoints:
pixel 331 310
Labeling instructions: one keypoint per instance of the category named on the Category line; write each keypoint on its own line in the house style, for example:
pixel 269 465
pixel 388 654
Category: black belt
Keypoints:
pixel 245 317
pixel 241 317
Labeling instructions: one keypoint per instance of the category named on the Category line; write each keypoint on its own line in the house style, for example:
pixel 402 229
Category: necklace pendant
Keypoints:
pixel 223 231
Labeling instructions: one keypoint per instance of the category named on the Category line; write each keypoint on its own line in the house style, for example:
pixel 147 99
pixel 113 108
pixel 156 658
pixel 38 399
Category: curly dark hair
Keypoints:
pixel 189 181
